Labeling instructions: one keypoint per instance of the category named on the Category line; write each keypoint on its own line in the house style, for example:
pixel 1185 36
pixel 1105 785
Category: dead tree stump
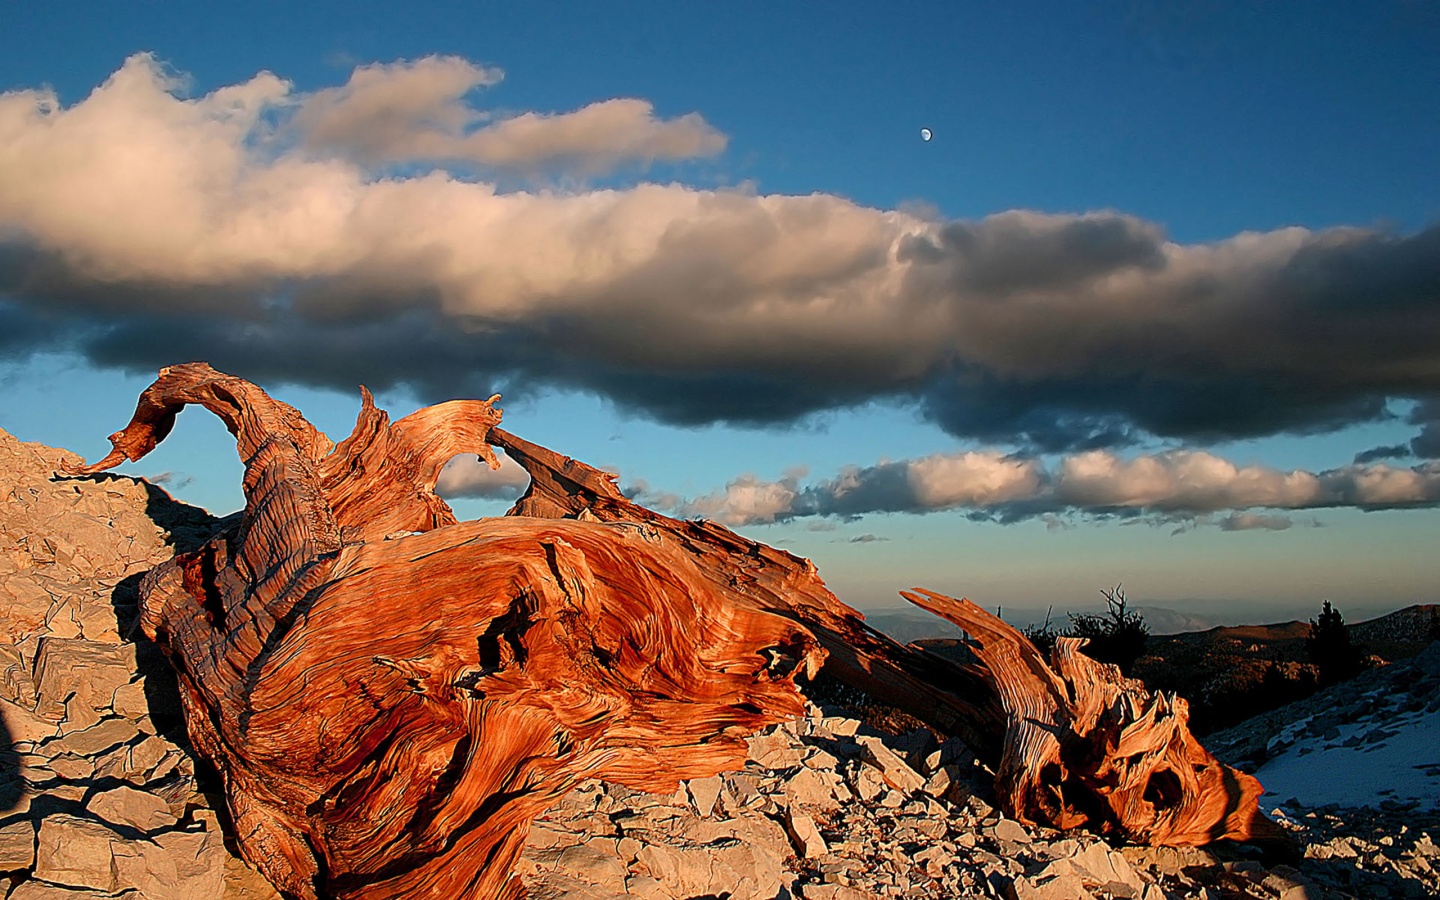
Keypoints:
pixel 1086 747
pixel 391 696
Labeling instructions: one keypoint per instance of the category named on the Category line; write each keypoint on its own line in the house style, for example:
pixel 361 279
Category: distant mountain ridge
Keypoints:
pixel 1411 623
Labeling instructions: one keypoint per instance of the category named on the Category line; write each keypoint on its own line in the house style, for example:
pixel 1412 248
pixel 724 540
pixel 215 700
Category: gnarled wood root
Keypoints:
pixel 391 696
pixel 1086 747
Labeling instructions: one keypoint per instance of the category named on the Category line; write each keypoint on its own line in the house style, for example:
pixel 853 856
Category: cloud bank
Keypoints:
pixel 467 476
pixel 1175 485
pixel 360 234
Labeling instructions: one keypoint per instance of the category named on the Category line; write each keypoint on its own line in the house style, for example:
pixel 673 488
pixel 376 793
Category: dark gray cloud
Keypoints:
pixel 173 480
pixel 1060 333
pixel 1018 252
pixel 1095 409
pixel 1424 445
pixel 1386 451
pixel 22 331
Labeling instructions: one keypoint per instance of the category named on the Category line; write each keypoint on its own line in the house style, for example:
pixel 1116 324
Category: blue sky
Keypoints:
pixel 1158 304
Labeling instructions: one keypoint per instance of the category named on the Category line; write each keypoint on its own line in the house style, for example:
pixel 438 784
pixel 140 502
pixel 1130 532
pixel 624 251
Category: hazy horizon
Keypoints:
pixel 1171 618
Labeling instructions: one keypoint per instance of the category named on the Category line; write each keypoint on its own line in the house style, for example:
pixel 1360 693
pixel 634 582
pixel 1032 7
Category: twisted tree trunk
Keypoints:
pixel 1087 747
pixel 391 696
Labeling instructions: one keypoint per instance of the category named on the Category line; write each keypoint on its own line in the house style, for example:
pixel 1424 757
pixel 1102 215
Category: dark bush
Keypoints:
pixel 1116 636
pixel 1229 704
pixel 1042 635
pixel 1330 648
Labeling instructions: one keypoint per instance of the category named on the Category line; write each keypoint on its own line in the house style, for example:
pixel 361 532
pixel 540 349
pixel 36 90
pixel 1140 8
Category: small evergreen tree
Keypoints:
pixel 1434 633
pixel 1330 648
pixel 1117 636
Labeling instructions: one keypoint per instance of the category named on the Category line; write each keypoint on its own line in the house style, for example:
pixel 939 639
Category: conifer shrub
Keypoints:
pixel 1116 636
pixel 1042 635
pixel 1330 648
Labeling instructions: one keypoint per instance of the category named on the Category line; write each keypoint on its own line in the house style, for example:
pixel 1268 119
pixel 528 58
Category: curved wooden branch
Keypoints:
pixel 253 416
pixel 1086 747
pixel 952 698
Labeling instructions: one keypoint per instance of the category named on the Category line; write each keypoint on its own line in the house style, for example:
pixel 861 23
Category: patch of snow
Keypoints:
pixel 1381 758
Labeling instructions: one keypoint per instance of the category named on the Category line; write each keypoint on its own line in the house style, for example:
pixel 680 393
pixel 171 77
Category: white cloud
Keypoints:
pixel 416 111
pixel 467 476
pixel 397 111
pixel 1383 485
pixel 1168 488
pixel 746 500
pixel 1189 480
pixel 973 479
pixel 592 140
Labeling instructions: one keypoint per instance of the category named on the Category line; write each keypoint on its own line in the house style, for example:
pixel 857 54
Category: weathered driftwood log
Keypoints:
pixel 1076 746
pixel 391 696
pixel 390 709
pixel 1087 747
pixel 954 699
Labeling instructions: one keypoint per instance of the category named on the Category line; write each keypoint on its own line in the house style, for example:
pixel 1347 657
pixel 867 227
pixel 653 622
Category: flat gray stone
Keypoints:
pixel 198 858
pixel 592 866
pixel 83 853
pixel 704 792
pixel 809 788
pixel 777 750
pixel 809 844
pixel 1012 831
pixel 77 852
pixel 23 726
pixel 96 739
pixel 71 767
pixel 17 846
pixel 128 806
pixel 896 772
pixel 76 679
pixel 129 700
pixel 40 890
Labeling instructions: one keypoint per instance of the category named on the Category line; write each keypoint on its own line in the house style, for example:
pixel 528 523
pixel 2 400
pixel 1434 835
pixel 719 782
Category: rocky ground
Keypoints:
pixel 827 808
pixel 99 796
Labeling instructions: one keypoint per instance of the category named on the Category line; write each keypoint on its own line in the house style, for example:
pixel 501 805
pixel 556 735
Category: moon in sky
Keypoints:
pixel 926 134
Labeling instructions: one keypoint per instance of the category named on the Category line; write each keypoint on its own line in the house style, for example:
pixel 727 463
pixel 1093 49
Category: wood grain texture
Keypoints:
pixel 1086 747
pixel 391 696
